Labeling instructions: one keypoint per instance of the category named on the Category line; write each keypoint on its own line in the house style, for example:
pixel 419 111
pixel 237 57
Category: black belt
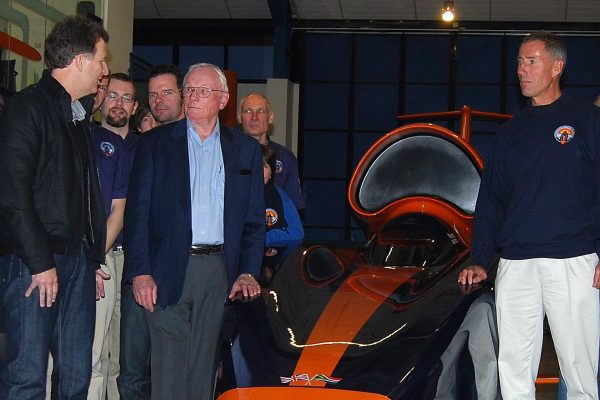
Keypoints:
pixel 198 249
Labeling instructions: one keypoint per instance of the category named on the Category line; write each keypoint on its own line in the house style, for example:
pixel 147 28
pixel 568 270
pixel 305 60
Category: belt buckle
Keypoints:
pixel 196 250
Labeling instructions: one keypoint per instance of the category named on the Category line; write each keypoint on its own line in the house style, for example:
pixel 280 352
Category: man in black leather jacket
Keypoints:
pixel 52 224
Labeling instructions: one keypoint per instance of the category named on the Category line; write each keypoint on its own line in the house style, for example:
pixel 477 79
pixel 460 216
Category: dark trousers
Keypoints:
pixel 185 336
pixel 66 329
pixel 134 377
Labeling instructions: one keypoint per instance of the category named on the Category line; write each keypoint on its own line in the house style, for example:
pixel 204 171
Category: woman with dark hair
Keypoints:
pixel 144 120
pixel 284 230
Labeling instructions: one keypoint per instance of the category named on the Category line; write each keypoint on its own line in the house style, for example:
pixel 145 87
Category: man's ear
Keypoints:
pixel 557 67
pixel 271 117
pixel 223 100
pixel 79 62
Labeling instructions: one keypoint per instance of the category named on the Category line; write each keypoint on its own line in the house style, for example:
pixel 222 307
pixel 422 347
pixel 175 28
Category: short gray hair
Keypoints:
pixel 218 70
pixel 553 44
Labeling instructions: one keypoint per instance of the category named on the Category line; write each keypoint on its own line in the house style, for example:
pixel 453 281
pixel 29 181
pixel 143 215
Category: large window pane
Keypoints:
pixel 425 98
pixel 378 58
pixel 190 55
pixel 376 106
pixel 324 154
pixel 478 59
pixel 583 60
pixel 251 62
pixel 325 203
pixel 427 58
pixel 326 106
pixel 147 56
pixel 482 98
pixel 328 57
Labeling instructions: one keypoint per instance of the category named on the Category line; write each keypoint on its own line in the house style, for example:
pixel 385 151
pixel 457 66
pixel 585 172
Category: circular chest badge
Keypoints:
pixel 564 134
pixel 272 217
pixel 107 149
pixel 278 166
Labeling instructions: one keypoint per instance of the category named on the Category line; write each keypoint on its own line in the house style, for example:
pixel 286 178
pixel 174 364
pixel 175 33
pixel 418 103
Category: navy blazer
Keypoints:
pixel 158 222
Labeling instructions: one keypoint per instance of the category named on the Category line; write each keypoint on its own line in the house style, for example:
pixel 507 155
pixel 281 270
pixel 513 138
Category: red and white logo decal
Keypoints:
pixel 564 134
pixel 306 378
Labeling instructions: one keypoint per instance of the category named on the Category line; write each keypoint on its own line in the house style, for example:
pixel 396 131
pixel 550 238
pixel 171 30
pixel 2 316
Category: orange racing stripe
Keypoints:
pixel 342 319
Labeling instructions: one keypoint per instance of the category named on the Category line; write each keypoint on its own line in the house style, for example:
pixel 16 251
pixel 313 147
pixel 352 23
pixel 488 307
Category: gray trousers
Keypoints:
pixel 479 332
pixel 184 336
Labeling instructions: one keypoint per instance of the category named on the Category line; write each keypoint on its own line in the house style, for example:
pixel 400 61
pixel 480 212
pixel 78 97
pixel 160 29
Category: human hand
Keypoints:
pixel 47 283
pixel 145 291
pixel 101 276
pixel 246 286
pixel 596 282
pixel 472 274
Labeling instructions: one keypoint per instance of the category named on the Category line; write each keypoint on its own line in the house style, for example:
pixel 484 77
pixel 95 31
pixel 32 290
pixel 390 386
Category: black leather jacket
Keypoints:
pixel 42 184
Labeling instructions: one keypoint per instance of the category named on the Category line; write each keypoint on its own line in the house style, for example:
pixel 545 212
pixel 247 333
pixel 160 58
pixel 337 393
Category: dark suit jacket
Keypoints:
pixel 158 227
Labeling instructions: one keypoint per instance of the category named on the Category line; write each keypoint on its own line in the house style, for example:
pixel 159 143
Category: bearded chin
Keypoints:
pixel 116 122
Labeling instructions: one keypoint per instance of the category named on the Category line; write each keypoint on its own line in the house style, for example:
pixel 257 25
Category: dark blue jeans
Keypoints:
pixel 134 377
pixel 66 329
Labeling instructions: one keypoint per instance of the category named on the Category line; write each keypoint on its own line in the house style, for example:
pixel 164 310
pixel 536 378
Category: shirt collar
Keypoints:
pixel 78 111
pixel 214 135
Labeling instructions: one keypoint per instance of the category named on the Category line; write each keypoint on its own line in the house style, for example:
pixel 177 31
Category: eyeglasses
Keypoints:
pixel 167 93
pixel 258 111
pixel 126 98
pixel 201 91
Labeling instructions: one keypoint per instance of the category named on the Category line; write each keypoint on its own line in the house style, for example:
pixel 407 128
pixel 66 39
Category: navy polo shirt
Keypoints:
pixel 113 160
pixel 286 174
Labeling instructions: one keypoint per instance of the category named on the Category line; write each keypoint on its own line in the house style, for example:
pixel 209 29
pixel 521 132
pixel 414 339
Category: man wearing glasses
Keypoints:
pixel 194 233
pixel 114 149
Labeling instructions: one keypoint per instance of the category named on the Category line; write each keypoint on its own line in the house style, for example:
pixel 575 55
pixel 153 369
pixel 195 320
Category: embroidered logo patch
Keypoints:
pixel 272 217
pixel 107 149
pixel 564 134
pixel 278 166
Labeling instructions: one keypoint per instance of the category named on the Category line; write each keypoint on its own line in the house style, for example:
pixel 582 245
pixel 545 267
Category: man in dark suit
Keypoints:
pixel 194 230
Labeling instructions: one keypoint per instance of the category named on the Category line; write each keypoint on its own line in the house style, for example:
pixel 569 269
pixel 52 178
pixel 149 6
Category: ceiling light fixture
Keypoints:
pixel 448 11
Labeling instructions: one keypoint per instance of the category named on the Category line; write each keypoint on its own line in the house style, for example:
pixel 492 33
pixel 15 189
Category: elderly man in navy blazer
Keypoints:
pixel 194 233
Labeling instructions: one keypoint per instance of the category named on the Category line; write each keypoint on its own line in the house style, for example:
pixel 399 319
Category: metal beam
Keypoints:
pixel 281 12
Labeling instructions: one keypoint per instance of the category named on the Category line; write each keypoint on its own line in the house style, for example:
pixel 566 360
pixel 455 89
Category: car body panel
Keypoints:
pixel 376 320
pixel 304 393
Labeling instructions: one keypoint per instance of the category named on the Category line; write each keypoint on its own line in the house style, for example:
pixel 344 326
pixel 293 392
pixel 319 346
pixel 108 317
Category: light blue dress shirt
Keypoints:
pixel 207 186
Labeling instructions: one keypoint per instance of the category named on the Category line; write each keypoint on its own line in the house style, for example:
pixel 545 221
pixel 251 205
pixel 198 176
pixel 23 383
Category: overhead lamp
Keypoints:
pixel 448 11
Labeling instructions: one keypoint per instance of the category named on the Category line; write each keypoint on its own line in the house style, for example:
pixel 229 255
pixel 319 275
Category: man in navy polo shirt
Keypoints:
pixel 256 115
pixel 114 151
